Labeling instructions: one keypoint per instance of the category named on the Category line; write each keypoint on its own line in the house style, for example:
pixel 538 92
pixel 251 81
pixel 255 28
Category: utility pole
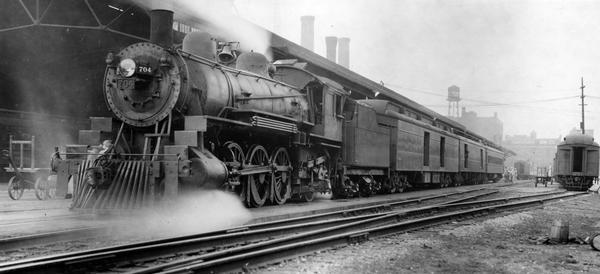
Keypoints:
pixel 582 125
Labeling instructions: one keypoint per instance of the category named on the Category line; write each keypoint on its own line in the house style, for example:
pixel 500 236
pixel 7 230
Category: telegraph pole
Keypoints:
pixel 582 125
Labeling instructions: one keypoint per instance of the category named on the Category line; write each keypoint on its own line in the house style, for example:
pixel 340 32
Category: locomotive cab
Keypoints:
pixel 325 97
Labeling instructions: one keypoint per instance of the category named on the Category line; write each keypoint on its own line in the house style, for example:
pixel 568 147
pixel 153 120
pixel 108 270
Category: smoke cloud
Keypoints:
pixel 224 23
pixel 192 213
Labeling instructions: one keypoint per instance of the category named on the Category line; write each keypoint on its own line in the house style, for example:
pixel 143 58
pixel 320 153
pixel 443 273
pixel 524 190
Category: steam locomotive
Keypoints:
pixel 576 162
pixel 189 118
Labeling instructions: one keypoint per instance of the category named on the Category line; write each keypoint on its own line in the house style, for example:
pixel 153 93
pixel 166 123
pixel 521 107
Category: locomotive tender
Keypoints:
pixel 576 162
pixel 189 118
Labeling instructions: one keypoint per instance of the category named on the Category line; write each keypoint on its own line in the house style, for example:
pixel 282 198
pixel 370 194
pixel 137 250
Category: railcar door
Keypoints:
pixel 577 159
pixel 592 162
pixel 563 156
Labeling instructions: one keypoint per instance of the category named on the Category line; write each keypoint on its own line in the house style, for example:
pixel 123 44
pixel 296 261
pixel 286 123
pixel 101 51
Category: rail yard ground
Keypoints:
pixel 510 243
pixel 500 243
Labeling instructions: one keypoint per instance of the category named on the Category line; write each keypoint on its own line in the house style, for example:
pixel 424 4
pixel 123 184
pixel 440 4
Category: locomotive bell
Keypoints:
pixel 226 55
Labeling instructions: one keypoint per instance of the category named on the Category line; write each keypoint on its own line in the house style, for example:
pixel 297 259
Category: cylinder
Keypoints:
pixel 307 32
pixel 331 44
pixel 344 52
pixel 560 231
pixel 161 28
pixel 206 170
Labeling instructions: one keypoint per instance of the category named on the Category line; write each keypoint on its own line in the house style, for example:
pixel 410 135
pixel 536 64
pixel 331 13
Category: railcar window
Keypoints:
pixel 426 149
pixel 577 159
pixel 481 157
pixel 466 156
pixel 494 160
pixel 349 109
pixel 317 98
pixel 333 104
pixel 339 106
pixel 442 150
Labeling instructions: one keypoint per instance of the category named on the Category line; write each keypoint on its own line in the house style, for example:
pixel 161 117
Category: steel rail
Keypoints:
pixel 156 249
pixel 277 249
pixel 74 234
pixel 49 237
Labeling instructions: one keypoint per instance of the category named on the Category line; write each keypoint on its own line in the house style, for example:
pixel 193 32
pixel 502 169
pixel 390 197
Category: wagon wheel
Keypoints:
pixel 15 188
pixel 41 189
pixel 233 157
pixel 281 176
pixel 258 184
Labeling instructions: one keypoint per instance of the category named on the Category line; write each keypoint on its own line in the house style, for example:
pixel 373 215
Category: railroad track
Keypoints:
pixel 265 243
pixel 20 242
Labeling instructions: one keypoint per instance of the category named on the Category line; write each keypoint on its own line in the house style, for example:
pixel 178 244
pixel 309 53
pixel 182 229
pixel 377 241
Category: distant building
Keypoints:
pixel 489 127
pixel 539 152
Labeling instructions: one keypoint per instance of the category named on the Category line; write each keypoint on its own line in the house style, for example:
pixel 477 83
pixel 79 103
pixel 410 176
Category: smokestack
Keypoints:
pixel 331 44
pixel 344 54
pixel 307 35
pixel 161 28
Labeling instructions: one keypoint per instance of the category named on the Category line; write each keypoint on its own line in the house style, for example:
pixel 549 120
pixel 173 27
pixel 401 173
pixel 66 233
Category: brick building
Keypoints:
pixel 489 127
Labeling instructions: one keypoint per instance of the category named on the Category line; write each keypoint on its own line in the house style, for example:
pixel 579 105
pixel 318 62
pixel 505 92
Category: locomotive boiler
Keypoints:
pixel 576 162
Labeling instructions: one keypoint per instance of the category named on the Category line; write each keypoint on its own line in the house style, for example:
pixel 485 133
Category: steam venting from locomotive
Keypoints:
pixel 221 19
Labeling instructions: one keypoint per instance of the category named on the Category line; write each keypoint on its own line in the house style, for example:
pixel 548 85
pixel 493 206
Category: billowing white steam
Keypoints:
pixel 224 23
pixel 191 213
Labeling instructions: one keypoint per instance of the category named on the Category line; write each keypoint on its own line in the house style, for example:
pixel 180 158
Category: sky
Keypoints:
pixel 521 59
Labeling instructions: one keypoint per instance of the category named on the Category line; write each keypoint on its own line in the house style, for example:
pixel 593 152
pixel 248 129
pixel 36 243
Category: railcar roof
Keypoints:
pixel 578 139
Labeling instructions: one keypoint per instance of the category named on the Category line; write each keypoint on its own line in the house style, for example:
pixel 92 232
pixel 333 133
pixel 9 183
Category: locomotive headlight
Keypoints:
pixel 126 67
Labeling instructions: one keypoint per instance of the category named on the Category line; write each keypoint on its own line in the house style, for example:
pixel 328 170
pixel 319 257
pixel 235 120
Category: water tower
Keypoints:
pixel 453 99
